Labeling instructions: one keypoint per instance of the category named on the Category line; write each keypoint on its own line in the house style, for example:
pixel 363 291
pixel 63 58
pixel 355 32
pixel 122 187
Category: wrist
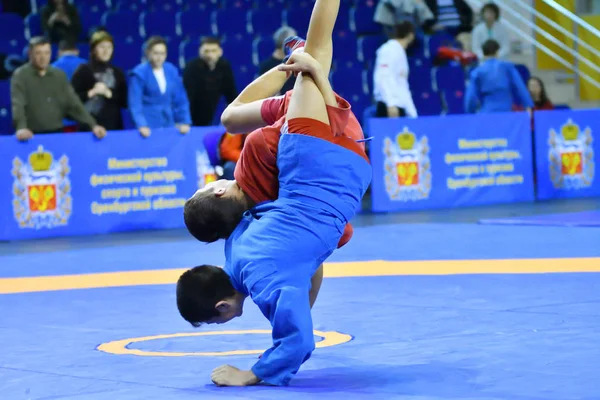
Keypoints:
pixel 251 379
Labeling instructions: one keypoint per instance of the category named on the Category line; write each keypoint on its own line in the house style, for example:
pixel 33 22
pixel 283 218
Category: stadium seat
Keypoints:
pixel 243 74
pixel 123 25
pixel 200 5
pixel 90 20
pixel 367 47
pixel 345 47
pixel 427 103
pixel 455 101
pixel 238 49
pixel 13 47
pixel 343 21
pixel 162 23
pixel 450 77
pixel 173 44
pixel 298 18
pixel 420 79
pixel 93 6
pixel 127 55
pixel 137 6
pixel 347 79
pixel 167 5
pixel 12 25
pixel 361 19
pixel 84 50
pixel 33 26
pixel 265 21
pixel 6 127
pixel 194 23
pixel 439 39
pixel 262 49
pixel 188 50
pixel 229 5
pixel 231 21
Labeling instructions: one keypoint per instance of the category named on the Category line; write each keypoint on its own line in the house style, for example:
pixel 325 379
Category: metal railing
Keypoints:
pixel 519 10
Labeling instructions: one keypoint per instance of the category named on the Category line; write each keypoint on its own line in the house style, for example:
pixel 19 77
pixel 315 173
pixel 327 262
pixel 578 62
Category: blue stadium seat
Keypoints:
pixel 194 23
pixel 367 47
pixel 84 50
pixel 90 20
pixel 343 21
pixel 188 50
pixel 173 45
pixel 345 47
pixel 298 18
pixel 127 55
pixel 238 49
pixel 451 77
pixel 123 25
pixel 243 74
pixel 347 79
pixel 262 48
pixel 6 127
pixel 420 78
pixel 200 5
pixel 137 6
pixel 427 103
pixel 231 21
pixel 265 21
pixel 439 39
pixel 361 19
pixel 162 23
pixel 167 5
pixel 33 26
pixel 12 25
pixel 455 101
pixel 236 4
pixel 94 6
pixel 524 72
pixel 13 47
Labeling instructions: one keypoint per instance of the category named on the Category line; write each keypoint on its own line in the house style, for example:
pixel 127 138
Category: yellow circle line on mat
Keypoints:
pixel 332 270
pixel 119 347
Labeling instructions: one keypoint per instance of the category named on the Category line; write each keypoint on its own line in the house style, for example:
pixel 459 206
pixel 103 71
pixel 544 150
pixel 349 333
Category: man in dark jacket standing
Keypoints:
pixel 206 79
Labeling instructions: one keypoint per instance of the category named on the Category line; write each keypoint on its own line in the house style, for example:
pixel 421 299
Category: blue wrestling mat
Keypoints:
pixel 584 218
pixel 423 311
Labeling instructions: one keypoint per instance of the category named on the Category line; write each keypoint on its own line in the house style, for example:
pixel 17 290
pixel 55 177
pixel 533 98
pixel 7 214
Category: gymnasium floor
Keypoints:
pixel 420 306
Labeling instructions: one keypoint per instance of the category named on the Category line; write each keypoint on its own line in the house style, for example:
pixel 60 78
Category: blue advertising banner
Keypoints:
pixel 451 161
pixel 74 184
pixel 566 153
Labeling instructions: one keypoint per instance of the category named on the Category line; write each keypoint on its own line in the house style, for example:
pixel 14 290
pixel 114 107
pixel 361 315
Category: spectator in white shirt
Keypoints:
pixel 490 28
pixel 391 89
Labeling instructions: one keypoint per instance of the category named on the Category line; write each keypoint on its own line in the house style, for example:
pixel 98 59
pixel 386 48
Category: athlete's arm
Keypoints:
pixel 243 115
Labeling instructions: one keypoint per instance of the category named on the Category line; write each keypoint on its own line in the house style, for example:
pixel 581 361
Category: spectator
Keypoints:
pixel 491 28
pixel 60 21
pixel 42 96
pixel 493 83
pixel 391 12
pixel 206 79
pixel 537 90
pixel 68 58
pixel 390 78
pixel 454 16
pixel 278 55
pixel 157 98
pixel 230 149
pixel 100 85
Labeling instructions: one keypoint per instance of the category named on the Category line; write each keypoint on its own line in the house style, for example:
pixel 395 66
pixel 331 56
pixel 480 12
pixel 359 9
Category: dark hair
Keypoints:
pixel 402 30
pixel 543 95
pixel 38 41
pixel 153 41
pixel 210 40
pixel 198 292
pixel 493 8
pixel 67 44
pixel 210 218
pixel 490 47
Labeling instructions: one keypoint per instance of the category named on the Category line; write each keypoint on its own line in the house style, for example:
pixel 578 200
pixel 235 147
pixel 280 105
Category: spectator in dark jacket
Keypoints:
pixel 207 79
pixel 278 55
pixel 100 85
pixel 60 20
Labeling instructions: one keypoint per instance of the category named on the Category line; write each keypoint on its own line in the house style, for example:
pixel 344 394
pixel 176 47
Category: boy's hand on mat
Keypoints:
pixel 226 375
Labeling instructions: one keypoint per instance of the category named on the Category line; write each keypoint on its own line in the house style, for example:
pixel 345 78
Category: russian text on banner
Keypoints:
pixel 66 185
pixel 451 161
pixel 567 153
